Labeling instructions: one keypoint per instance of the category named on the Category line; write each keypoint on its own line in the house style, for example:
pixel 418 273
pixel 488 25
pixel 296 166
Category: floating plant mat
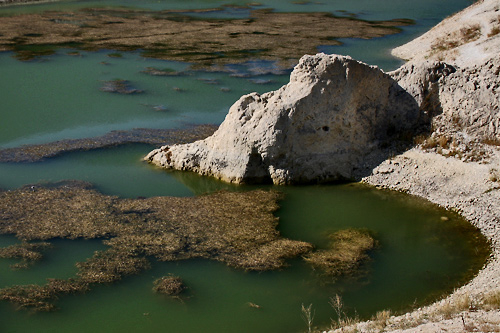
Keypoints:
pixel 173 36
pixel 232 229
pixel 236 228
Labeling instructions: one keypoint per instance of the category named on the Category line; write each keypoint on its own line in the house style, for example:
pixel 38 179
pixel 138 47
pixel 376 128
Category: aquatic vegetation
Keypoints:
pixel 120 86
pixel 173 35
pixel 28 253
pixel 169 285
pixel 236 228
pixel 348 249
pixel 156 137
pixel 162 72
pixel 115 55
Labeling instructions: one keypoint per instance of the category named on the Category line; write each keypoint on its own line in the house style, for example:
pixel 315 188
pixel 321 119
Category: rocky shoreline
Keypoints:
pixel 306 131
pixel 451 180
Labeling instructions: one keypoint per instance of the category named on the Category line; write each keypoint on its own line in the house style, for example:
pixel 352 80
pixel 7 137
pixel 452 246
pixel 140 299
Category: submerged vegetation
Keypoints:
pixel 28 253
pixel 176 36
pixel 120 86
pixel 156 137
pixel 348 249
pixel 237 228
pixel 169 285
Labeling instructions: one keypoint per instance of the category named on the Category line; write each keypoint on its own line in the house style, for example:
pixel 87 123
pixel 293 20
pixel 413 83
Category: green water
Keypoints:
pixel 58 97
pixel 55 97
pixel 419 256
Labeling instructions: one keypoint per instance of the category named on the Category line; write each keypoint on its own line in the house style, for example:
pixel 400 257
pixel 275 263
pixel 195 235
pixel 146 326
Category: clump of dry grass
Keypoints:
pixel 492 141
pixel 237 228
pixel 494 175
pixel 342 320
pixel 494 31
pixel 169 285
pixel 461 37
pixel 380 320
pixel 450 146
pixel 348 249
pixel 454 306
pixel 308 316
pixel 496 28
pixel 491 301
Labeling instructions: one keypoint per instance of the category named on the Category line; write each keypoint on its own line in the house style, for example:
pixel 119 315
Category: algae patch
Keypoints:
pixel 169 285
pixel 347 251
pixel 178 36
pixel 157 137
pixel 236 228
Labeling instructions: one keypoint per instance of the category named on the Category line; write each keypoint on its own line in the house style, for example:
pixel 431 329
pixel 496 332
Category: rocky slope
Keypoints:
pixel 457 165
pixel 464 39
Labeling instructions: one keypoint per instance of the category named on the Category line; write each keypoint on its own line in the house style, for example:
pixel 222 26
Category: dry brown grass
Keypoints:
pixel 343 320
pixel 494 175
pixel 454 306
pixel 492 141
pixel 494 31
pixel 491 301
pixel 461 37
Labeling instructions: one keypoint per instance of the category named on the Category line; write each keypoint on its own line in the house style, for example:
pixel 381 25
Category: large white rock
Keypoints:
pixel 333 121
pixel 460 99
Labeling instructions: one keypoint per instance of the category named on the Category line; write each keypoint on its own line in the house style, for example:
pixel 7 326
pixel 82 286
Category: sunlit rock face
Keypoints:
pixel 334 120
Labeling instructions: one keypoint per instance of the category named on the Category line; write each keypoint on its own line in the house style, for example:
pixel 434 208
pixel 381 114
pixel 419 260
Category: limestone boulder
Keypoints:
pixel 460 99
pixel 335 120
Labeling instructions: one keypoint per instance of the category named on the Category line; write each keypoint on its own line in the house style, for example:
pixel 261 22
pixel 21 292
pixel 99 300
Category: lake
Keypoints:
pixel 423 253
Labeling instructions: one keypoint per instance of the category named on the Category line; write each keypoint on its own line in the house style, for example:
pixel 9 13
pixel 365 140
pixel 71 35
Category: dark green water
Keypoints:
pixel 420 256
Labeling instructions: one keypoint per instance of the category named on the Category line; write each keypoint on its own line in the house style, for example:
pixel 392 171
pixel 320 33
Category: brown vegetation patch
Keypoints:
pixel 450 145
pixel 169 285
pixel 175 36
pixel 348 249
pixel 156 137
pixel 461 37
pixel 236 228
pixel 28 253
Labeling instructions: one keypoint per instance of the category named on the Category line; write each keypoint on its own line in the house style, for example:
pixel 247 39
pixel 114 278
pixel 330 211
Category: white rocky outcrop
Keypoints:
pixel 334 120
pixel 460 99
pixel 467 38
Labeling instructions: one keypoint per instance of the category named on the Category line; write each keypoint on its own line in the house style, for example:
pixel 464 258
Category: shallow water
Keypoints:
pixel 57 97
pixel 419 256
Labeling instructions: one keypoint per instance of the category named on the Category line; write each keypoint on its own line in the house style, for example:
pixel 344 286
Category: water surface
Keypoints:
pixel 420 255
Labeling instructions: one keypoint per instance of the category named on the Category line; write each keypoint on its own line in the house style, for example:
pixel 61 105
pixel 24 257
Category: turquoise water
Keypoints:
pixel 55 97
pixel 58 97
